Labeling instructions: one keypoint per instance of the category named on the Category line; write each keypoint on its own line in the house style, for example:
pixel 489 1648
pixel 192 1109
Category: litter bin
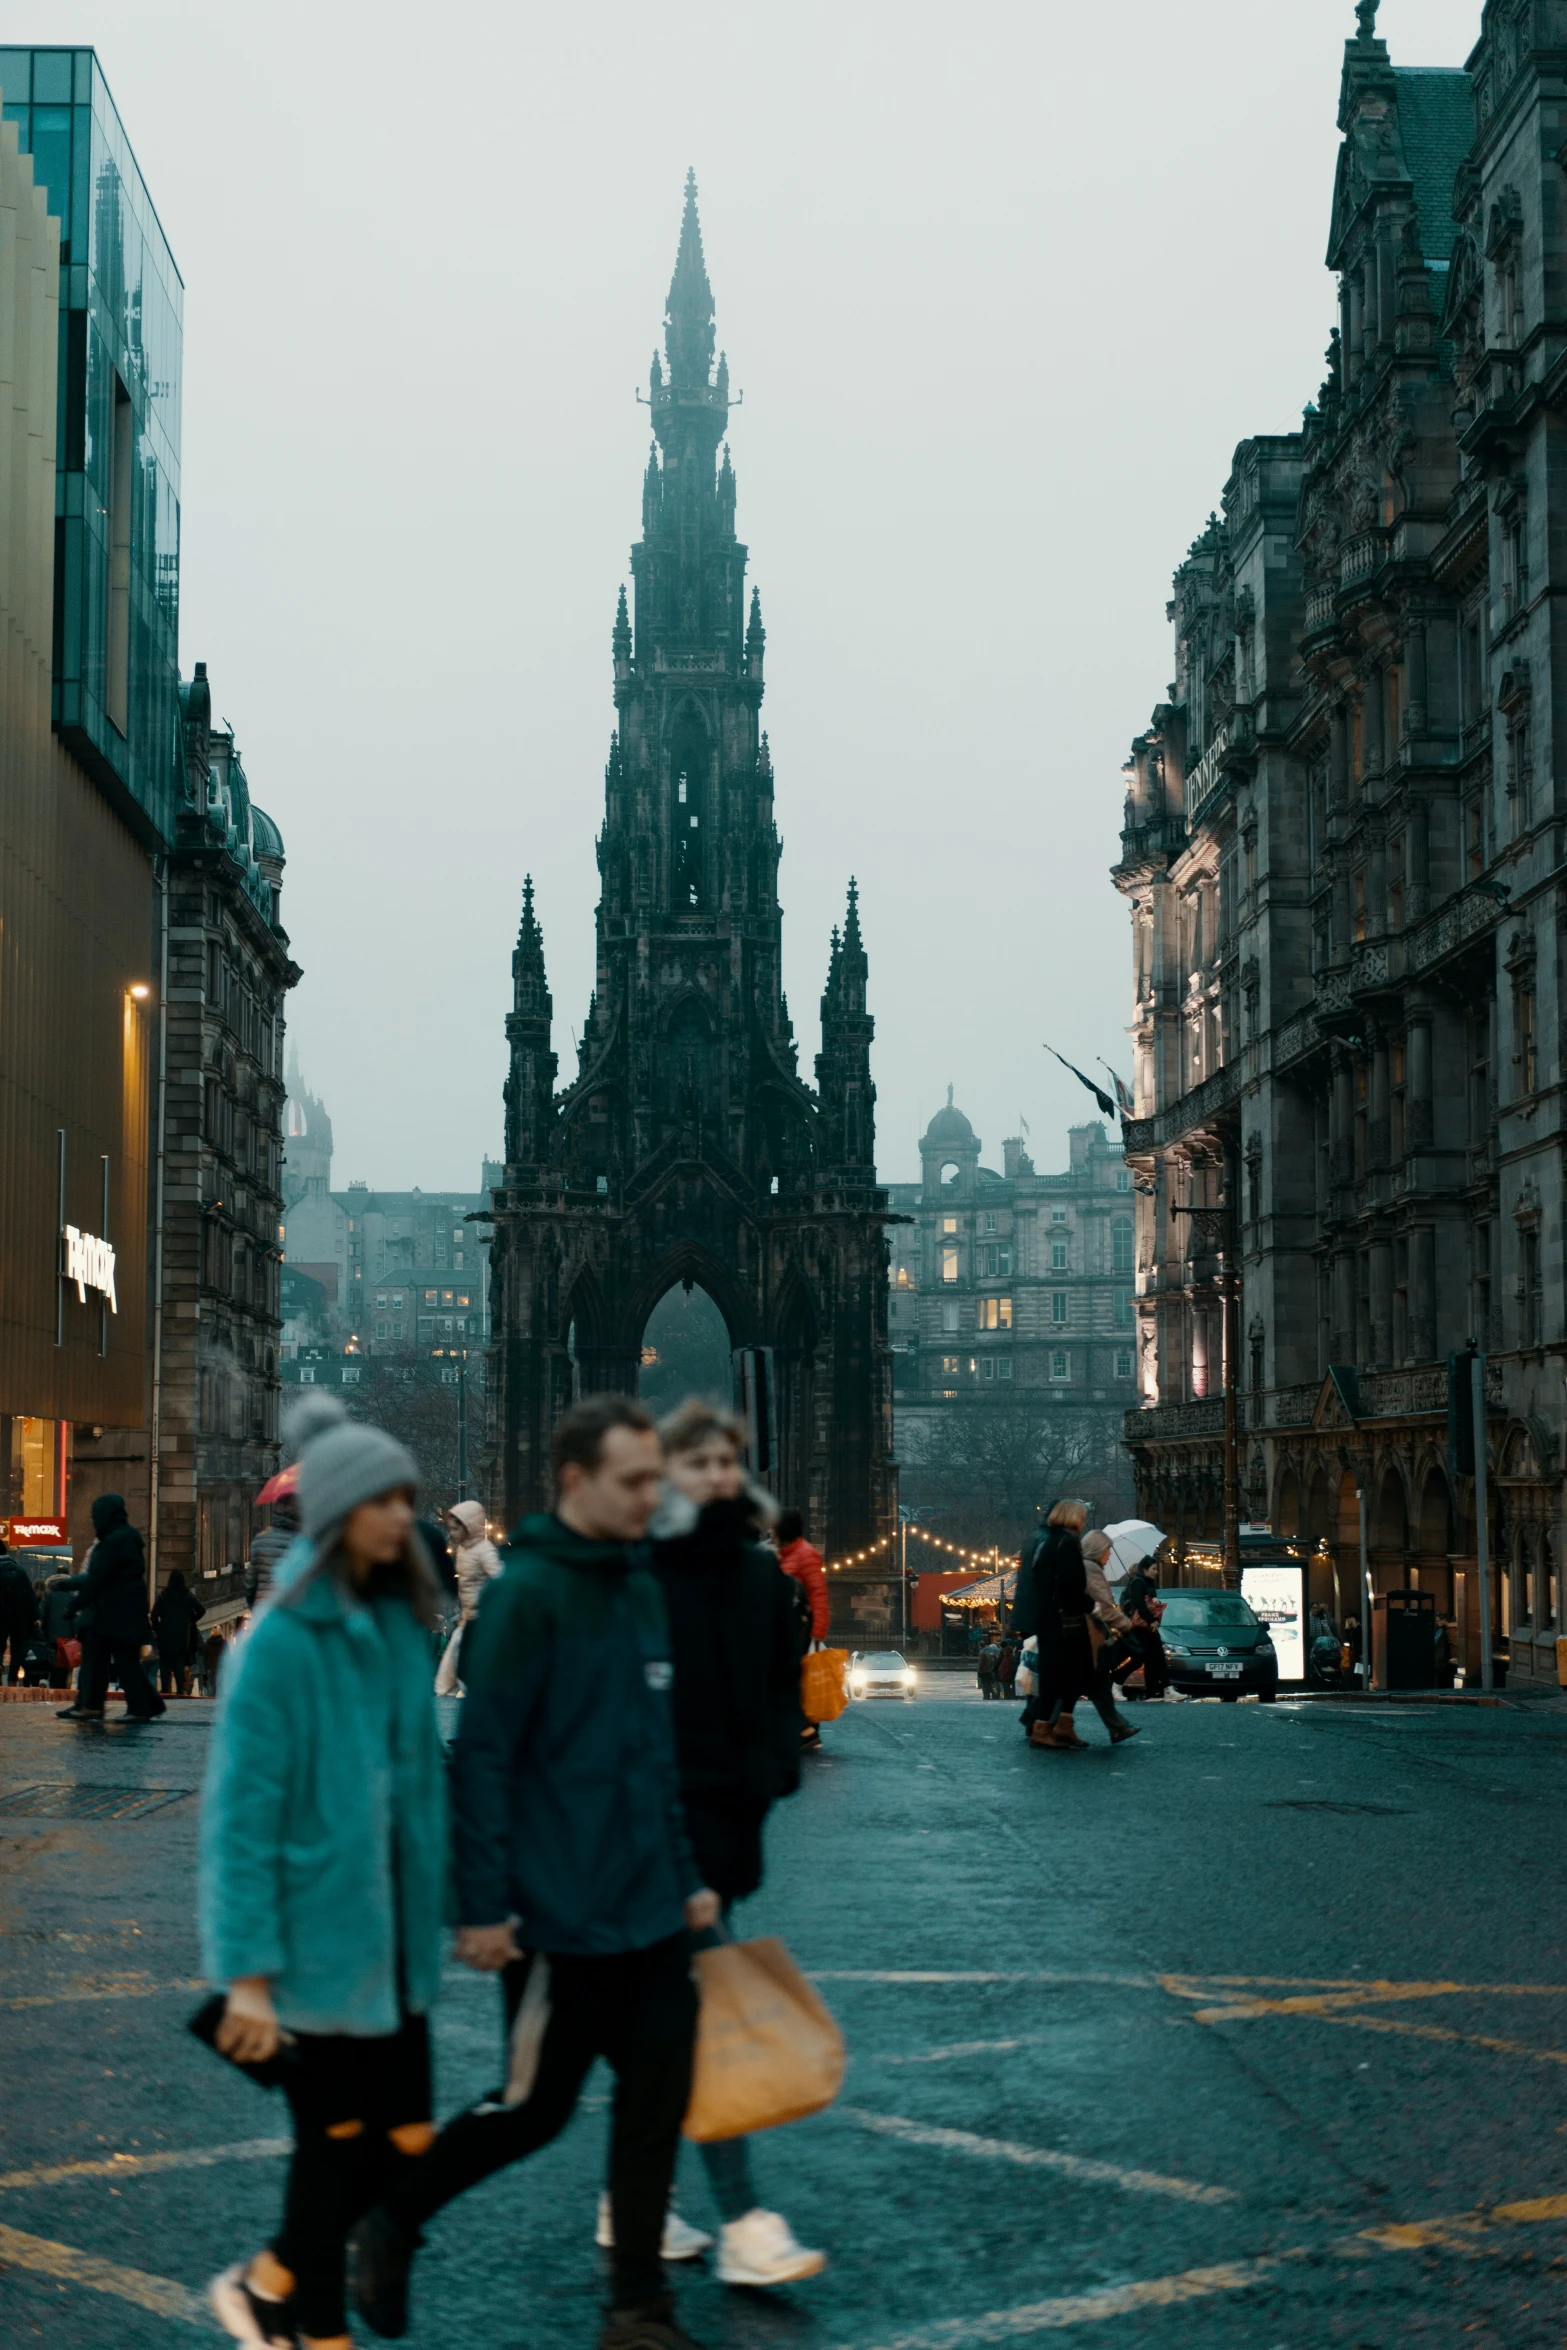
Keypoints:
pixel 1405 1640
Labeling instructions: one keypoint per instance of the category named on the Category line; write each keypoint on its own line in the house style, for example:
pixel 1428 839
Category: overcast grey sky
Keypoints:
pixel 1003 286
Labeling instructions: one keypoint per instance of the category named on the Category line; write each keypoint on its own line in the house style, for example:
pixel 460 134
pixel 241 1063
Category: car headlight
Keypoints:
pixel 1174 1648
pixel 909 1677
pixel 1266 1642
pixel 857 1683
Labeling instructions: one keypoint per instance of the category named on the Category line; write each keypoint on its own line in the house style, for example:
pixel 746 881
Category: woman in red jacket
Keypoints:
pixel 803 1561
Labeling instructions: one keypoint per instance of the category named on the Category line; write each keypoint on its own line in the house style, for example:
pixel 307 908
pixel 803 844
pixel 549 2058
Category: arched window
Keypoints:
pixel 688 812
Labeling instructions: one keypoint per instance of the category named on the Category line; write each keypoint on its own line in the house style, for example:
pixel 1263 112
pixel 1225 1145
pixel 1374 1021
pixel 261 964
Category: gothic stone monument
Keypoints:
pixel 689 1149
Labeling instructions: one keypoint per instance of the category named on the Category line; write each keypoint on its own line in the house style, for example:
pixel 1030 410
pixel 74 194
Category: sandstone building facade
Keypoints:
pixel 1342 859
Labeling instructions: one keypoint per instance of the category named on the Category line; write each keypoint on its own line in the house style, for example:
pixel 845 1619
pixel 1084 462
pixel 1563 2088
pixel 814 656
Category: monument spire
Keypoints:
pixel 689 333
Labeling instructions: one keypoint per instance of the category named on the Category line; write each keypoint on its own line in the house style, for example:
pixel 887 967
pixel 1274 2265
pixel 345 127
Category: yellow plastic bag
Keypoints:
pixel 823 1684
pixel 767 2049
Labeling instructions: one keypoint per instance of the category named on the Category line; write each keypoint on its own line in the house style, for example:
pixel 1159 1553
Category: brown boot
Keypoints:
pixel 1040 1735
pixel 1066 1733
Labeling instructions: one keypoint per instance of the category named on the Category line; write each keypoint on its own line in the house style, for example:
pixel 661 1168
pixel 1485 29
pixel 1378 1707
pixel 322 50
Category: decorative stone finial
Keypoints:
pixel 1366 18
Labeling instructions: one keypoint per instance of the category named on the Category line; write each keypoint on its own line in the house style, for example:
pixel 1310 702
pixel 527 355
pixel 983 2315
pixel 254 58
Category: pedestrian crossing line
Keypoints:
pixel 134 2166
pixel 1071 2166
pixel 93 1991
pixel 161 2295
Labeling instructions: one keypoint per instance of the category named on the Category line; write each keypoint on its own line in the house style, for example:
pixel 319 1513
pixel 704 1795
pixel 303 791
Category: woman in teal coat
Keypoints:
pixel 323 1864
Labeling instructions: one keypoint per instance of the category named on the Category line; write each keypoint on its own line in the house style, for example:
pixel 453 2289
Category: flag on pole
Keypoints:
pixel 1100 1096
pixel 1123 1093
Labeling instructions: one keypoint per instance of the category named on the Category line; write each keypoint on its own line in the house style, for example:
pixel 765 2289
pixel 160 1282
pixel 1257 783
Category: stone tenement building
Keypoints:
pixel 689 1149
pixel 1342 855
pixel 218 1312
pixel 1011 1284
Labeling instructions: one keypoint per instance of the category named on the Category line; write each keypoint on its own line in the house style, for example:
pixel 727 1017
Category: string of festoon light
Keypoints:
pixel 993 1556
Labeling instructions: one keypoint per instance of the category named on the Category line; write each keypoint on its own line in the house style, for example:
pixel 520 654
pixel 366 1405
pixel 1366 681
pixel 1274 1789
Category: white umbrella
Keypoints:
pixel 1131 1542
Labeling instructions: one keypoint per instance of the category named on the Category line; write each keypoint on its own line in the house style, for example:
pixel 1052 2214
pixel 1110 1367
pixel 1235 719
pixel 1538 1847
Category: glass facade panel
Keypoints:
pixel 121 344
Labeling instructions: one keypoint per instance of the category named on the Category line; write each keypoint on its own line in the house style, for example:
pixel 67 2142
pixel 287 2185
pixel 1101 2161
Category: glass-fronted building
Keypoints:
pixel 117 488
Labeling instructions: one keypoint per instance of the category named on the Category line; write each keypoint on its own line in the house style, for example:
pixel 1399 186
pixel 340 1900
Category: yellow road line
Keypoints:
pixel 962 2048
pixel 87 1991
pixel 861 1974
pixel 133 2166
pixel 1071 2166
pixel 159 2294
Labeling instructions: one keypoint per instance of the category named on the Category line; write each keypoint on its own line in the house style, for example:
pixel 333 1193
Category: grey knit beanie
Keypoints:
pixel 342 1462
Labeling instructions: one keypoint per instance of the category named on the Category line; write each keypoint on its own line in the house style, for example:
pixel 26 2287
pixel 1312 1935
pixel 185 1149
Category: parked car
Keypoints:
pixel 1217 1646
pixel 881 1672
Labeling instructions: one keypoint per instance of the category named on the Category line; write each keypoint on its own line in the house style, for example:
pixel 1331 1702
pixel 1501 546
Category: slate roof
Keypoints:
pixel 1437 129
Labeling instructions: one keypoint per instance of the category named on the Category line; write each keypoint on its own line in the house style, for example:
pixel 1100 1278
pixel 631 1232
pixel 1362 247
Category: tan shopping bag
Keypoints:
pixel 767 2050
pixel 823 1673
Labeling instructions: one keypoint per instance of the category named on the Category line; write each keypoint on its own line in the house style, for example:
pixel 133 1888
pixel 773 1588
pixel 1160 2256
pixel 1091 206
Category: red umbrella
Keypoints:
pixel 276 1487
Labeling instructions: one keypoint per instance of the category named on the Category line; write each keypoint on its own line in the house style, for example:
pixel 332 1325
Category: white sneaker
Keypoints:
pixel 681 2240
pixel 251 2317
pixel 760 2250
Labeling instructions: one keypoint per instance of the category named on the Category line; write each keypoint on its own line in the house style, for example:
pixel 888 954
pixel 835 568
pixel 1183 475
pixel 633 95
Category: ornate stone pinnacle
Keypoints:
pixel 1366 18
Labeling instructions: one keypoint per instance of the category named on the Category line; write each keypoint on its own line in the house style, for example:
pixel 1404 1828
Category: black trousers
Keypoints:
pixel 107 1660
pixel 346 2095
pixel 18 1643
pixel 637 2009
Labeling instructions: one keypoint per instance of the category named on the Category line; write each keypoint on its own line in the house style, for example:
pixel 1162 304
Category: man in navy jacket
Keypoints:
pixel 575 1880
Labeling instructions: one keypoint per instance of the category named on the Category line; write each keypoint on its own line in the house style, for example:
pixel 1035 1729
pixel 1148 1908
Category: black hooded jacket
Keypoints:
pixel 737 1687
pixel 115 1585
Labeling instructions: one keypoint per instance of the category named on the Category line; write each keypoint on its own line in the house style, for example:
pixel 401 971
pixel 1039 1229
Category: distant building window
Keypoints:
pixel 1058 1253
pixel 446 1297
pixel 448 1378
pixel 1058 1215
pixel 950 1366
pixel 307 1374
pixel 1003 1366
pixel 397 1297
pixel 1004 1263
pixel 457 1234
pixel 949 1223
pixel 464 1299
pixel 1121 1244
pixel 380 1329
pixel 1058 1366
pixel 432 1297
pixel 990 1219
pixel 1123 1362
pixel 949 1314
pixel 1058 1306
pixel 1123 1308
pixel 380 1297
pixel 1123 1179
pixel 949 1264
pixel 988 1367
pixel 397 1330
pixel 995 1313
pixel 351 1375
pixel 902 1277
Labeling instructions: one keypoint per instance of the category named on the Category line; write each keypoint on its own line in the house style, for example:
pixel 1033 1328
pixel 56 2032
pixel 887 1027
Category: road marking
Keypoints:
pixel 132 2166
pixel 90 1991
pixel 1077 2309
pixel 1072 2166
pixel 159 2294
pixel 972 1975
pixel 963 2048
pixel 1464 2232
pixel 1330 2003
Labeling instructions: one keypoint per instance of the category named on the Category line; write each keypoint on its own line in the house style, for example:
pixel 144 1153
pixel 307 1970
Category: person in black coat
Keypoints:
pixel 737 1731
pixel 18 1612
pixel 115 1588
pixel 1052 1602
pixel 57 1621
pixel 176 1613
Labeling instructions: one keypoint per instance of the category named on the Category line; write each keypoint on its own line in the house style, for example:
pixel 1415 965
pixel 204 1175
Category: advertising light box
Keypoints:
pixel 1276 1595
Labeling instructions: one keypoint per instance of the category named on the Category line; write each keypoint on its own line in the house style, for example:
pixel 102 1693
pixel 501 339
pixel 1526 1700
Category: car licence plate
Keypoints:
pixel 1225 1672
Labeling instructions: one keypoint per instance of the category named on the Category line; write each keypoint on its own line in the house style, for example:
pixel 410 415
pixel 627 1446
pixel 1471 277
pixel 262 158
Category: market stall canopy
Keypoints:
pixel 993 1591
pixel 276 1487
pixel 1131 1542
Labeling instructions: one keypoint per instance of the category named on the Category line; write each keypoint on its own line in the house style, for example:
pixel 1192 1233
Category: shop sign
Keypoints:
pixel 28 1532
pixel 89 1262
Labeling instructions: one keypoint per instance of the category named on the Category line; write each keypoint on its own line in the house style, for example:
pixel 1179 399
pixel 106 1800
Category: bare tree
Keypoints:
pixel 411 1401
pixel 981 1471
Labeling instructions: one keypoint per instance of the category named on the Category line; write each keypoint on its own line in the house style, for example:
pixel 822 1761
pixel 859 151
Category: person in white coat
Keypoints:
pixel 477 1560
